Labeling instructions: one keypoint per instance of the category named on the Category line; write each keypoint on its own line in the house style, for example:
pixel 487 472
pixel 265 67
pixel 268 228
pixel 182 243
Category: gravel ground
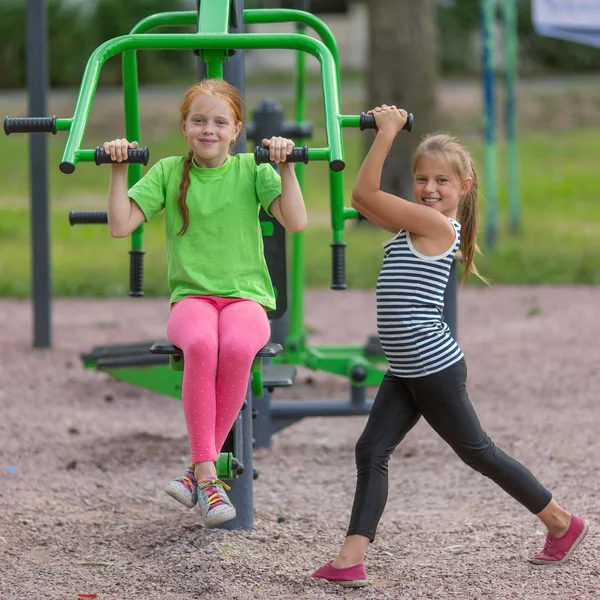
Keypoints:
pixel 83 460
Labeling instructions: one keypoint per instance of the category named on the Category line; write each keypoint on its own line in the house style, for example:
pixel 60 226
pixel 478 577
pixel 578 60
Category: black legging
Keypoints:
pixel 443 400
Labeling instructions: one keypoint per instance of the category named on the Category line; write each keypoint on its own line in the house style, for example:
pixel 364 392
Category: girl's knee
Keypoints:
pixel 481 458
pixel 198 344
pixel 238 350
pixel 366 452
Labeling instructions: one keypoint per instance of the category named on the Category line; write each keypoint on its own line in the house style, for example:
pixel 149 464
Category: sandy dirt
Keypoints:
pixel 84 458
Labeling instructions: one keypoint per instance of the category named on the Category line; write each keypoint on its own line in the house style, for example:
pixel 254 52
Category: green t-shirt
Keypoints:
pixel 221 253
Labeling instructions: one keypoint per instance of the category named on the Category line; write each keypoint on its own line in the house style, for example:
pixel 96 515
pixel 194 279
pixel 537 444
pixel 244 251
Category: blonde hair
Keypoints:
pixel 207 87
pixel 452 150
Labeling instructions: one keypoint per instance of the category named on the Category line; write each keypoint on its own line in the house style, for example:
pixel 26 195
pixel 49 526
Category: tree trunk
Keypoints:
pixel 403 70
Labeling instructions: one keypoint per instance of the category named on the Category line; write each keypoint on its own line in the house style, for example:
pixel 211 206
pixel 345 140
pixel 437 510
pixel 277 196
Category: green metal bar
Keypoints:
pixel 350 213
pixel 84 156
pixel 156 378
pixel 336 190
pixel 212 41
pixel 349 120
pixel 132 127
pixel 511 42
pixel 214 19
pixel 172 19
pixel 251 17
pixel 63 124
pixel 296 337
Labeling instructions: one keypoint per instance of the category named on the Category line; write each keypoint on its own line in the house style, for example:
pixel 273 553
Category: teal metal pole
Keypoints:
pixel 511 74
pixel 489 121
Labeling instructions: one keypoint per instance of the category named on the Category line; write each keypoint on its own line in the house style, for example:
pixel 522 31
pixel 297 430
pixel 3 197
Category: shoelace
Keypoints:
pixel 549 545
pixel 212 492
pixel 187 481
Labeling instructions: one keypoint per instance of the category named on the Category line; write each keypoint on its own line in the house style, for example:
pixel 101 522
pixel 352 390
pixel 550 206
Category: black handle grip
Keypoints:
pixel 261 155
pixel 87 217
pixel 338 263
pixel 368 122
pixel 134 155
pixel 30 125
pixel 136 273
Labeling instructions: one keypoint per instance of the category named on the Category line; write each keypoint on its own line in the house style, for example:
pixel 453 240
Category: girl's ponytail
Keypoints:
pixel 183 190
pixel 468 217
pixel 449 148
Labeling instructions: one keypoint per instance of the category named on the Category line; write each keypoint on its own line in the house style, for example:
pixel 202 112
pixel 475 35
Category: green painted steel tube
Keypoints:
pixel 172 19
pixel 132 128
pixel 214 19
pixel 63 124
pixel 84 156
pixel 251 17
pixel 350 213
pixel 511 54
pixel 214 16
pixel 349 120
pixel 296 333
pixel 209 41
pixel 336 189
pixel 214 65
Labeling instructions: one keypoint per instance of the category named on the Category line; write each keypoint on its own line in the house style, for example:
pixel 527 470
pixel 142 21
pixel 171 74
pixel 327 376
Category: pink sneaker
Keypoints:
pixel 351 577
pixel 558 550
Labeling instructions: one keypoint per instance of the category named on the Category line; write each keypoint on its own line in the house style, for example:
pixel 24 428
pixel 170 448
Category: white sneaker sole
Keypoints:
pixel 219 518
pixel 537 561
pixel 358 583
pixel 175 492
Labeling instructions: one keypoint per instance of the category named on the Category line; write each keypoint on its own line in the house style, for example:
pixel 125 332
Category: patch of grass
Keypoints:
pixel 559 242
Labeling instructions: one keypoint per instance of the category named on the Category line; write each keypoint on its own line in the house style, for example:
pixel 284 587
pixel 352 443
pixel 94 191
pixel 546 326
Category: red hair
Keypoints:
pixel 207 87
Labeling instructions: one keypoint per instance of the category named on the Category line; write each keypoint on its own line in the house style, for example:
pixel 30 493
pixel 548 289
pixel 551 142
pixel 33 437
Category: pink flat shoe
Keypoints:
pixel 351 577
pixel 558 550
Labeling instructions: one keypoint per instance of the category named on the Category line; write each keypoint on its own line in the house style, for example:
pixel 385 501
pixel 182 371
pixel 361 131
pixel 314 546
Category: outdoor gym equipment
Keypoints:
pixel 213 21
pixel 215 44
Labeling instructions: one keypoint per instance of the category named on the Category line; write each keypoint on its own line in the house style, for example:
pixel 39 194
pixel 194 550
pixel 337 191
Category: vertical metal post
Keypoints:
pixel 511 43
pixel 489 120
pixel 242 493
pixel 295 318
pixel 37 84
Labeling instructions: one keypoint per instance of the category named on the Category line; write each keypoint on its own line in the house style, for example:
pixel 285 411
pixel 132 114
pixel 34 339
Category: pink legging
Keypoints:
pixel 219 338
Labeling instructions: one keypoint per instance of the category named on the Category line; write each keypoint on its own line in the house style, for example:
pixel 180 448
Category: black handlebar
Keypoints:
pixel 136 261
pixel 367 121
pixel 136 273
pixel 262 155
pixel 87 217
pixel 338 264
pixel 134 155
pixel 30 125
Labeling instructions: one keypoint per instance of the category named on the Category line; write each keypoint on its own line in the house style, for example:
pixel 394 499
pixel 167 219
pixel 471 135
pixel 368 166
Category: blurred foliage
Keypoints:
pixel 459 22
pixel 76 29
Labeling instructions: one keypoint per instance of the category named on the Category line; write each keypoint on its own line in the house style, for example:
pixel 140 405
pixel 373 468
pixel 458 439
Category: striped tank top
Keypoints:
pixel 410 303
